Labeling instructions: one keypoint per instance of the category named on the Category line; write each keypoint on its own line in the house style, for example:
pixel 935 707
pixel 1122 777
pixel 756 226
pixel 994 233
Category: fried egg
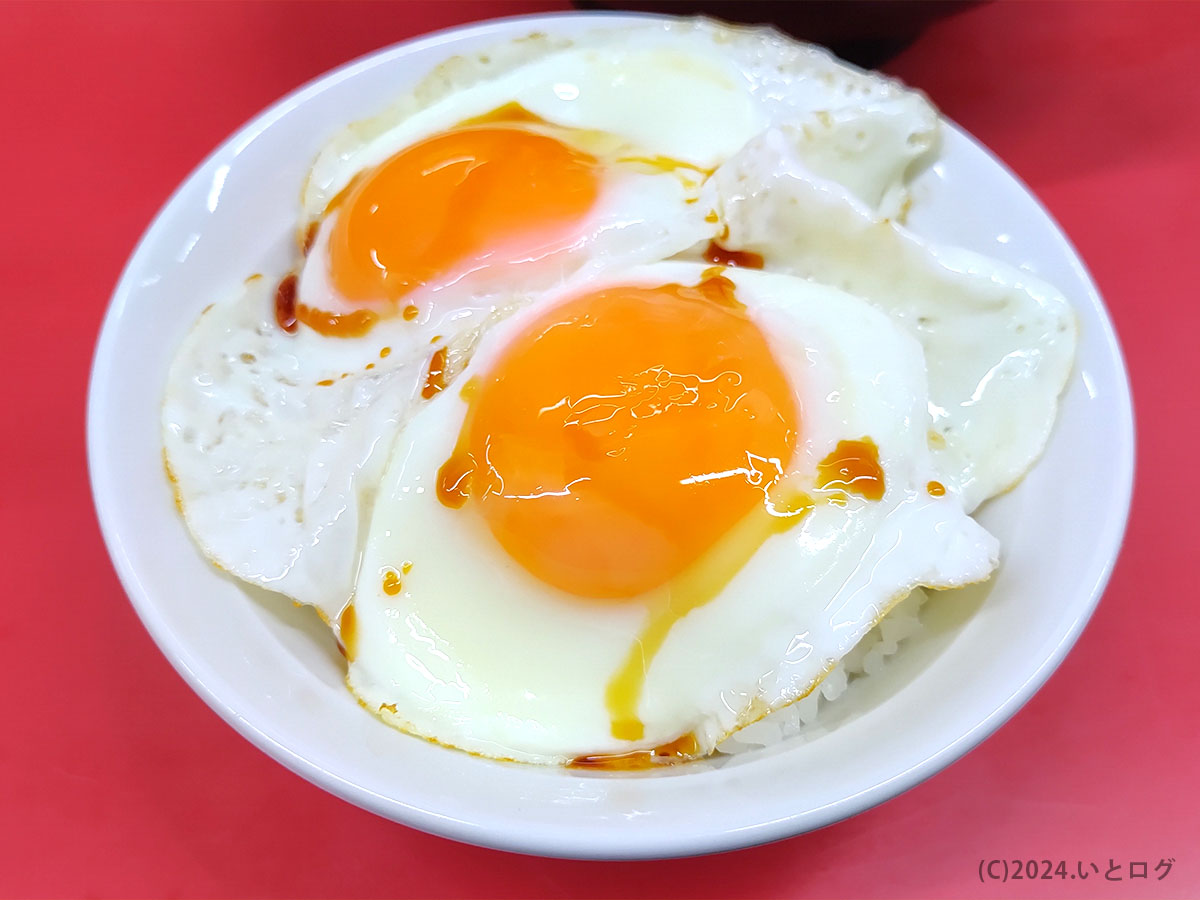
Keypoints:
pixel 496 179
pixel 524 164
pixel 650 510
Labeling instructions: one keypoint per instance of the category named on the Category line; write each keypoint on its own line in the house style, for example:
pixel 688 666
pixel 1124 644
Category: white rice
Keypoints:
pixel 869 657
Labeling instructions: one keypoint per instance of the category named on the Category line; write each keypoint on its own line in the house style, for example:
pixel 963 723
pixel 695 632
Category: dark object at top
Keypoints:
pixel 865 32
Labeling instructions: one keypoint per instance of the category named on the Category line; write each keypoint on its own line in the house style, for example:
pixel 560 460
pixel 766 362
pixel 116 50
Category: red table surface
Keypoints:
pixel 115 780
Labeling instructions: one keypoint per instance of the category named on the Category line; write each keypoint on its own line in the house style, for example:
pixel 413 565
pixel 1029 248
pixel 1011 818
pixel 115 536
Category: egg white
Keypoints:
pixel 998 342
pixel 476 653
pixel 275 441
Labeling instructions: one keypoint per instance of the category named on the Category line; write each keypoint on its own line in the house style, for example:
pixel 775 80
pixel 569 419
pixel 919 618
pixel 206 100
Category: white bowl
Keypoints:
pixel 273 672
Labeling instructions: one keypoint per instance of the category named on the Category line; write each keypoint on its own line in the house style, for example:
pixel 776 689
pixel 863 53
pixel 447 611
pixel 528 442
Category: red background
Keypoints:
pixel 115 780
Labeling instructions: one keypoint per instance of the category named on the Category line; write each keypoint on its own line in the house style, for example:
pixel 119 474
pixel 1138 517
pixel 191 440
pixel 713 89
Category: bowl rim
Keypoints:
pixel 1109 536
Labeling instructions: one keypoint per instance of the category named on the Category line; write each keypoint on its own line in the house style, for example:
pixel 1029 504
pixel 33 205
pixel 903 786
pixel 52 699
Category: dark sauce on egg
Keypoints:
pixel 289 314
pixel 285 304
pixel 853 467
pixel 310 237
pixel 391 583
pixel 744 259
pixel 348 632
pixel 679 750
pixel 435 377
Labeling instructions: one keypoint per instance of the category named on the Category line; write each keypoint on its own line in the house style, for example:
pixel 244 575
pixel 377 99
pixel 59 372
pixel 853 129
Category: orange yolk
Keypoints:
pixel 624 434
pixel 456 201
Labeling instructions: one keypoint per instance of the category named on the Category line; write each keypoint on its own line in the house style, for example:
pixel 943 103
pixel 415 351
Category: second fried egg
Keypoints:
pixel 647 514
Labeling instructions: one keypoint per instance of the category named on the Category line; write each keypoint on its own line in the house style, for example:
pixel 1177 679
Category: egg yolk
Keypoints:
pixel 623 434
pixel 457 201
